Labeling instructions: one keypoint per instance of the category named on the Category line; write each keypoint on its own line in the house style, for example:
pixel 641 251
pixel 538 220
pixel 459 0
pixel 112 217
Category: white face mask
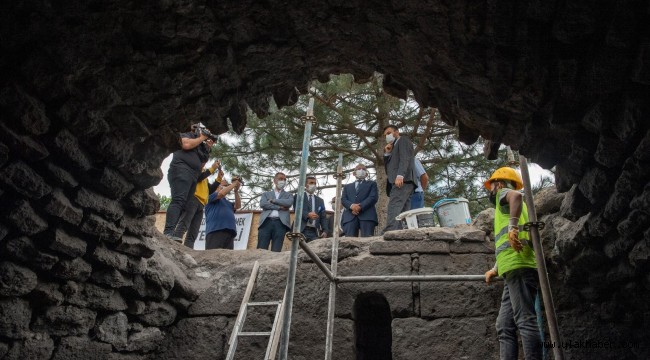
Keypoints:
pixel 281 183
pixel 311 188
pixel 390 138
pixel 360 173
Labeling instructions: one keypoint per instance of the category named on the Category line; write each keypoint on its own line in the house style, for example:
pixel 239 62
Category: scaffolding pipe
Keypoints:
pixel 316 260
pixel 409 278
pixel 331 303
pixel 293 259
pixel 545 285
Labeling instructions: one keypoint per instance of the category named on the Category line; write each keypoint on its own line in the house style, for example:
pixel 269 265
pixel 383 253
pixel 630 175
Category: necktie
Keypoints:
pixel 309 204
pixel 356 185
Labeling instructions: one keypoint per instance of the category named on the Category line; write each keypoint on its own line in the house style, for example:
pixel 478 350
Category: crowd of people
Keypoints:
pixel 406 179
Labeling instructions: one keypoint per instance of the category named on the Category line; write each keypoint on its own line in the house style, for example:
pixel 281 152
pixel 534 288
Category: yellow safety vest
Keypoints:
pixel 507 258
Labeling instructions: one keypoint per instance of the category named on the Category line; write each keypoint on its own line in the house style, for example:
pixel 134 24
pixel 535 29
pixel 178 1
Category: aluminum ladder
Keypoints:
pixel 274 334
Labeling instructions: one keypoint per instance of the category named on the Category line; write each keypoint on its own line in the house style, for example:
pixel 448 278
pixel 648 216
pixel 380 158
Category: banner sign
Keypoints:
pixel 243 222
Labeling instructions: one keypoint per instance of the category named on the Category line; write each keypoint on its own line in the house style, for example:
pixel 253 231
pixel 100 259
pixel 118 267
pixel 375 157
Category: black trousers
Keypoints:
pixel 190 221
pixel 182 182
pixel 220 239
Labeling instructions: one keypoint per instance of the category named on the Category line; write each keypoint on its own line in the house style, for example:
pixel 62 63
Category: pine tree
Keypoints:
pixel 350 120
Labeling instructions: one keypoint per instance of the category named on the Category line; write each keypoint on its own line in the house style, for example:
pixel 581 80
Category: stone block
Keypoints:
pixel 68 147
pixel 574 204
pixel 46 294
pixel 16 316
pixel 136 246
pixel 181 304
pixel 136 307
pixel 25 219
pixel 635 222
pixel 485 221
pixel 640 253
pixel 101 228
pixel 16 280
pixel 113 329
pixel 95 297
pixel 111 277
pixel 34 347
pixel 158 314
pixel 61 177
pixel 620 273
pixel 110 258
pixel 571 237
pixel 26 147
pixel 109 209
pixel 348 247
pixel 25 181
pixel 159 271
pixel 24 249
pixel 143 226
pixel 594 185
pixel 112 184
pixel 471 247
pixel 610 151
pixel 60 206
pixel 66 244
pixel 467 233
pixel 619 201
pixel 456 264
pixel 459 299
pixel 147 290
pixel 221 297
pixel 409 247
pixel 441 234
pixel 146 340
pixel 406 234
pixel 76 269
pixel 208 333
pixel 142 202
pixel 458 338
pixel 136 265
pixel 82 348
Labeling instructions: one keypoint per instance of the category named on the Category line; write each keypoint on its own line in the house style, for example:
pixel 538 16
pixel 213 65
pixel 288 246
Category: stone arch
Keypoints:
pixel 372 327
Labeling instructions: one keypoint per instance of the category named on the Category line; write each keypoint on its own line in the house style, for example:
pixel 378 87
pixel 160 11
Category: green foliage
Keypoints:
pixel 351 118
pixel 164 201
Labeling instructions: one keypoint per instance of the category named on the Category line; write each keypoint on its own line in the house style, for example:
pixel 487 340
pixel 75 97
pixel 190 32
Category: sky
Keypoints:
pixel 162 188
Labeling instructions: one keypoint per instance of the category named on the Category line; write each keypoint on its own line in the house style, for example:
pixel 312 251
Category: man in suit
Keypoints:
pixel 399 172
pixel 314 222
pixel 359 199
pixel 274 220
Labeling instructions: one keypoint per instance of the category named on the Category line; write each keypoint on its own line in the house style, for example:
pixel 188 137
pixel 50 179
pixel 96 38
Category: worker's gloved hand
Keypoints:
pixel 513 238
pixel 489 275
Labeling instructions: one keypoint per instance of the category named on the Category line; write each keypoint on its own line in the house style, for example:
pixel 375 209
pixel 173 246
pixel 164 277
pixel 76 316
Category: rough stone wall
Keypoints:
pixel 92 94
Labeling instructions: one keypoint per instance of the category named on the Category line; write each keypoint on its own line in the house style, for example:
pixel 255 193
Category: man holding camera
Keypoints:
pixel 183 173
pixel 220 222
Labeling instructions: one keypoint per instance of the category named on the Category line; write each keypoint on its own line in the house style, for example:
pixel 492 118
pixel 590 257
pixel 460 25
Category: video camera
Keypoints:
pixel 199 129
pixel 239 178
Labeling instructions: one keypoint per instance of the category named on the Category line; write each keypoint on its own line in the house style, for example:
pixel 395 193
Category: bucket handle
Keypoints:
pixel 443 201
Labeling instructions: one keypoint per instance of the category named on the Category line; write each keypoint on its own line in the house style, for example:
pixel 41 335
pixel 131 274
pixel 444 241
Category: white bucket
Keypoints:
pixel 416 218
pixel 452 212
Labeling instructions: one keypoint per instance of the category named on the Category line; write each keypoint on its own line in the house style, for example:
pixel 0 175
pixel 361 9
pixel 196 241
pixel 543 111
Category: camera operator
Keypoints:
pixel 220 223
pixel 183 173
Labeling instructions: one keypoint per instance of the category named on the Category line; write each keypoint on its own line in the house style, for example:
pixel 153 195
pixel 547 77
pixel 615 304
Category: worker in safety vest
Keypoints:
pixel 516 264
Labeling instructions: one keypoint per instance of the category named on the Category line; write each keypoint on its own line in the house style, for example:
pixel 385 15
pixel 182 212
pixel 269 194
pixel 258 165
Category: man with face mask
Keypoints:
pixel 358 200
pixel 399 172
pixel 516 264
pixel 274 220
pixel 314 220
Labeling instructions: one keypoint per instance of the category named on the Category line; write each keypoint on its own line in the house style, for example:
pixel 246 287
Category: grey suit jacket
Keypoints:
pixel 286 200
pixel 400 161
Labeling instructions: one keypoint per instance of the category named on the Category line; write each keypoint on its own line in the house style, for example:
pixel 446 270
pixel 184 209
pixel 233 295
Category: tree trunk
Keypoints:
pixel 382 202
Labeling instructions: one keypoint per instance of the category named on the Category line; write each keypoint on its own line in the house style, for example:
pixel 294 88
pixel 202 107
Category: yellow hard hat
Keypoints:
pixel 505 173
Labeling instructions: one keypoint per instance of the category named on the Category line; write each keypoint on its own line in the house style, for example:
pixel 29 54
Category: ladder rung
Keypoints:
pixel 264 303
pixel 248 333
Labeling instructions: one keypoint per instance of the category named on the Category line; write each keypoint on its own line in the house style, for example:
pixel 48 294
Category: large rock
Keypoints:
pixel 16 316
pixel 113 329
pixel 158 314
pixel 208 334
pixel 65 320
pixel 16 280
pixel 36 346
pixel 82 348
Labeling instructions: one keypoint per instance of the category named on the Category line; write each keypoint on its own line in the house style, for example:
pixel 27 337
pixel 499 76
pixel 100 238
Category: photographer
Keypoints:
pixel 220 223
pixel 183 173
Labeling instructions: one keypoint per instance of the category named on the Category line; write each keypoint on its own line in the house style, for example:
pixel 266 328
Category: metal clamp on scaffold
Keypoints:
pixel 339 175
pixel 306 118
pixel 538 224
pixel 296 236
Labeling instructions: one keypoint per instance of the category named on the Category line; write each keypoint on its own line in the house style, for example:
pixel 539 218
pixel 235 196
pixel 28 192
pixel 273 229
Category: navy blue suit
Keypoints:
pixel 320 225
pixel 365 195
